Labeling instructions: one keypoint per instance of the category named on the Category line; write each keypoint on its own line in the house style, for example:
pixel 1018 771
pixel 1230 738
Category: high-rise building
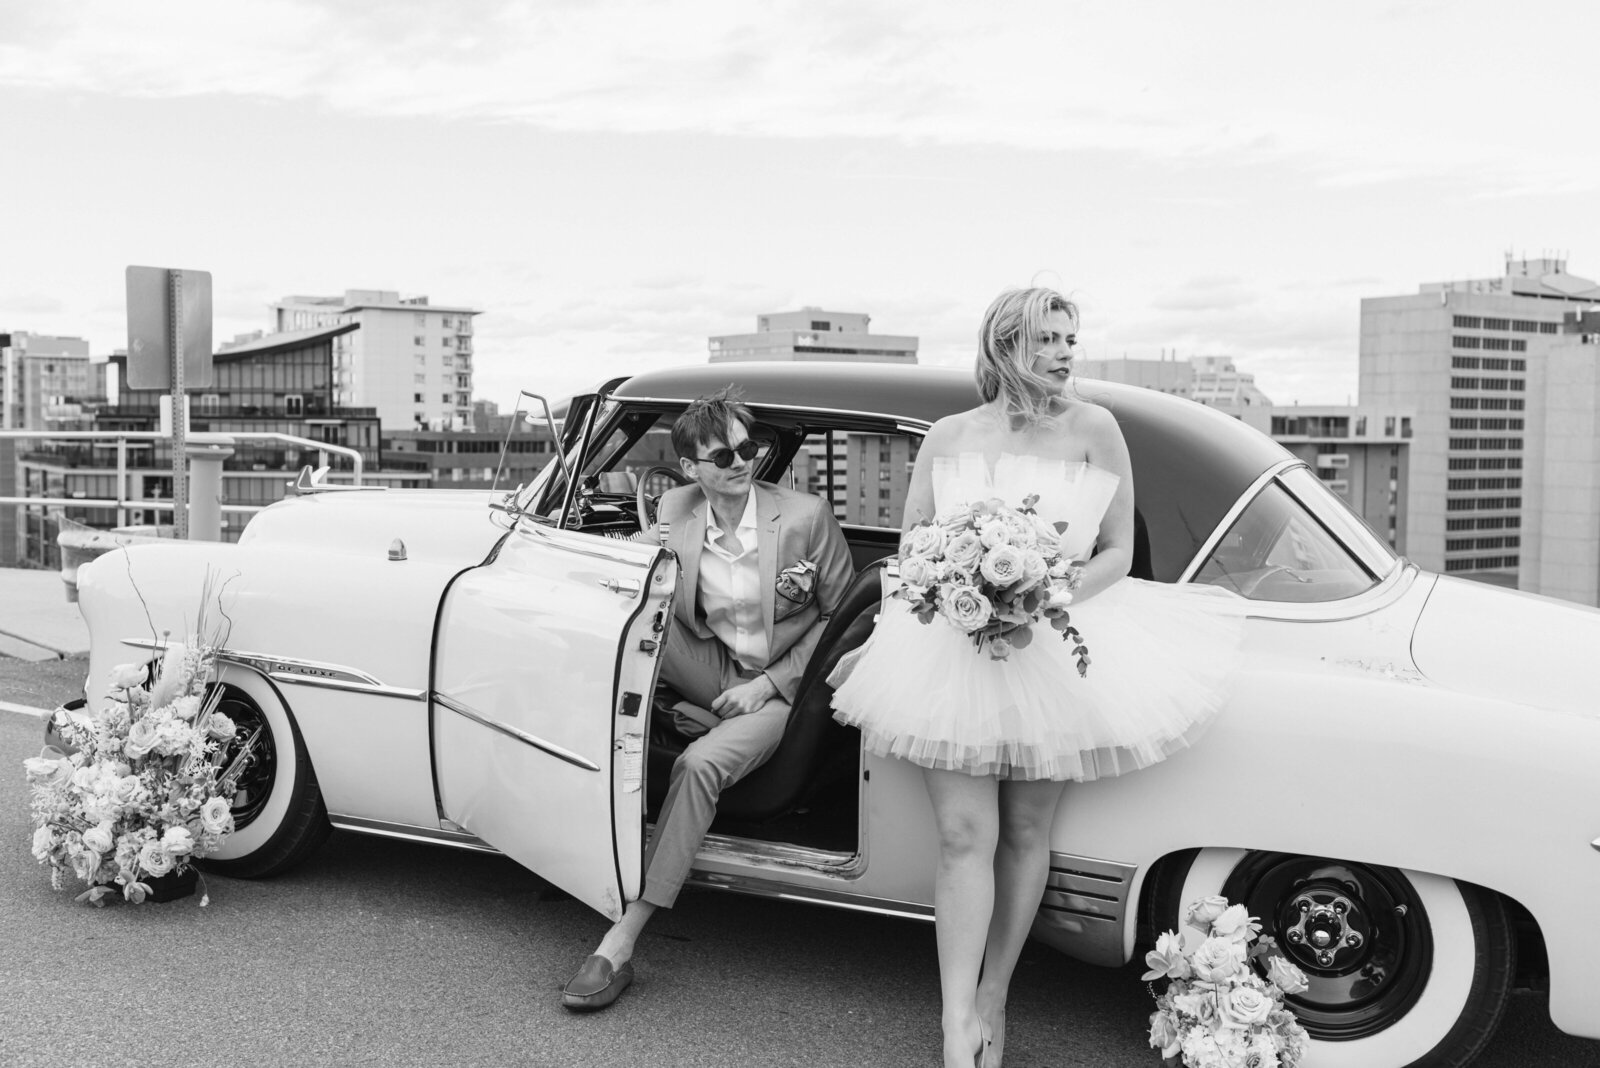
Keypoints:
pixel 1210 380
pixel 814 334
pixel 44 380
pixel 1475 362
pixel 411 360
pixel 1360 453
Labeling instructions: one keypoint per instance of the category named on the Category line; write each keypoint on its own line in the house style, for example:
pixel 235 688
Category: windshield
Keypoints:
pixel 1277 550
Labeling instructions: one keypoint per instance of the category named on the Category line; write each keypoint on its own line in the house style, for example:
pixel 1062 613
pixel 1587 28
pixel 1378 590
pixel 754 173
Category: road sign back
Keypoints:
pixel 150 318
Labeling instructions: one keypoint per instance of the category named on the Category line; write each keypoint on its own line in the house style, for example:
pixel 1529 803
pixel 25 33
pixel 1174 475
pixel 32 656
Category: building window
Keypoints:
pixel 419 340
pixel 1549 328
pixel 1467 322
pixel 1464 363
pixel 1458 382
pixel 1466 342
pixel 294 404
pixel 821 324
pixel 1361 426
pixel 416 398
pixel 1519 345
pixel 1497 324
pixel 1519 365
pixel 1388 425
pixel 1499 343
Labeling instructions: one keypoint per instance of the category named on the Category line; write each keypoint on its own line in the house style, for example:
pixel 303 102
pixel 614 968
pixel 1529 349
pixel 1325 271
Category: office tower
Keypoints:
pixel 411 360
pixel 814 334
pixel 1469 359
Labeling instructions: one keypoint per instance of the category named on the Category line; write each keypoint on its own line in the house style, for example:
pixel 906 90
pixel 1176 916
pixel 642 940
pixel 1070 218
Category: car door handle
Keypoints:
pixel 626 587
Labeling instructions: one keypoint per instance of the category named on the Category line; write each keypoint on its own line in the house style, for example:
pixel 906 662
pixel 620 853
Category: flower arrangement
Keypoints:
pixel 1217 1010
pixel 992 571
pixel 142 791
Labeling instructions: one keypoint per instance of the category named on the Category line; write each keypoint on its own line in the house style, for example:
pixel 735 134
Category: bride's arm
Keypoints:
pixel 1113 555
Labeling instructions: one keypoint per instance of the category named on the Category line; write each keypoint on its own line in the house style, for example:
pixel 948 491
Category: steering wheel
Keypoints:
pixel 645 504
pixel 1250 585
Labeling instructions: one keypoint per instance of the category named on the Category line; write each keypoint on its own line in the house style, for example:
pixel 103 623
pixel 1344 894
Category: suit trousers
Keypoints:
pixel 701 669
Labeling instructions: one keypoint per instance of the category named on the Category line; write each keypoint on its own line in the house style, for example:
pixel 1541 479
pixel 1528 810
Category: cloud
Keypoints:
pixel 1338 93
pixel 1207 295
pixel 14 307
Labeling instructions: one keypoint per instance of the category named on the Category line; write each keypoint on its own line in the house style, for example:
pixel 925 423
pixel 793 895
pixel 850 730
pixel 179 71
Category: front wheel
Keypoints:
pixel 278 814
pixel 1406 969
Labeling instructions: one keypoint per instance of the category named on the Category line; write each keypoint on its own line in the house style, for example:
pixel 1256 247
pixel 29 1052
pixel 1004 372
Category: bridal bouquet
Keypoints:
pixel 992 571
pixel 145 787
pixel 1218 1011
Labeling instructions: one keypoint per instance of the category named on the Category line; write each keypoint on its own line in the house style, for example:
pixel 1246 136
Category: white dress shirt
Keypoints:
pixel 730 587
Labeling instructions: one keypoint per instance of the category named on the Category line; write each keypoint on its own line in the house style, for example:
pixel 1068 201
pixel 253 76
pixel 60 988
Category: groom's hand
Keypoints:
pixel 744 698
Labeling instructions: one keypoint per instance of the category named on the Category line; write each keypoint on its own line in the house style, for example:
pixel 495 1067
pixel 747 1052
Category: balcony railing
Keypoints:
pixel 123 438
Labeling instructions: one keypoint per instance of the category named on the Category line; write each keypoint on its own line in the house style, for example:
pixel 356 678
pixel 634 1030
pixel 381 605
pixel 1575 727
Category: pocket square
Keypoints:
pixel 798 582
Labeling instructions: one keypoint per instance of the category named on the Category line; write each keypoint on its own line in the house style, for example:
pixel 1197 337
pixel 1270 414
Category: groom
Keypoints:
pixel 763 568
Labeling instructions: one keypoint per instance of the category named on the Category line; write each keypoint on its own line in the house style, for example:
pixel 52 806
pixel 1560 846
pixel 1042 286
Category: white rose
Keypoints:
pixel 993 532
pixel 216 816
pixel 186 708
pixel 1033 566
pixel 1234 922
pixel 918 571
pixel 1246 1006
pixel 44 840
pixel 220 727
pixel 1217 959
pixel 924 540
pixel 1285 976
pixel 1003 566
pixel 48 771
pixel 142 737
pixel 1202 912
pixel 178 841
pixel 99 837
pixel 965 606
pixel 127 676
pixel 176 737
pixel 155 859
pixel 964 551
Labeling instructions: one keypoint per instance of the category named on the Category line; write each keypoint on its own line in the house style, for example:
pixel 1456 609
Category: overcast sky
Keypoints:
pixel 612 182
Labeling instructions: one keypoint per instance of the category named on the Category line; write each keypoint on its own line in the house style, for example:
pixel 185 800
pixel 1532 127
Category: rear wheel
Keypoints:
pixel 1405 968
pixel 278 814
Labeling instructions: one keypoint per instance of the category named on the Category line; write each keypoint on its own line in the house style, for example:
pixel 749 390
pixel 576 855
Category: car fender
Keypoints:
pixel 1275 772
pixel 353 669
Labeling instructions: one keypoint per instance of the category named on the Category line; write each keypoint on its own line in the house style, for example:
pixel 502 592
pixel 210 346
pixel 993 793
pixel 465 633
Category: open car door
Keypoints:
pixel 544 663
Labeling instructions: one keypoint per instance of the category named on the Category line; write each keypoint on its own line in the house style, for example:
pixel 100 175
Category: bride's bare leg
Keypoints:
pixel 1021 867
pixel 966 810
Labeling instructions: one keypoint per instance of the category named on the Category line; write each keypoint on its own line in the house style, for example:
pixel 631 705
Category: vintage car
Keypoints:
pixel 1402 786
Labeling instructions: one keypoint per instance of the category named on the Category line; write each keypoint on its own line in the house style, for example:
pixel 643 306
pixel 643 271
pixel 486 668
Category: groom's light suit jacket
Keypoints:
pixel 793 530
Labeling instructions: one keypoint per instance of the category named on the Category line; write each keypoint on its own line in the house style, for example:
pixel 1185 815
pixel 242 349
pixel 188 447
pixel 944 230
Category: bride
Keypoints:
pixel 999 739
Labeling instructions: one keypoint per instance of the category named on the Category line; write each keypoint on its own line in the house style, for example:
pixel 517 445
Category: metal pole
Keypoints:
pixel 122 481
pixel 180 410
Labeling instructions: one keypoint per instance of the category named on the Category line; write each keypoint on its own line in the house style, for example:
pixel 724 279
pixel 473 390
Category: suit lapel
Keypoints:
pixel 767 529
pixel 691 539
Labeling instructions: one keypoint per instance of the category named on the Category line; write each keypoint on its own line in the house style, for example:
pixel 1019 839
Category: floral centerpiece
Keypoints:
pixel 1217 1010
pixel 142 790
pixel 992 571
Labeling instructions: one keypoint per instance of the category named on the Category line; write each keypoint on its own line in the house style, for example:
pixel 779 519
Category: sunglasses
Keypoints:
pixel 747 450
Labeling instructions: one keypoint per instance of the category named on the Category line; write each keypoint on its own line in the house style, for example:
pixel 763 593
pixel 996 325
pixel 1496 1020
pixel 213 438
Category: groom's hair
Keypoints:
pixel 708 418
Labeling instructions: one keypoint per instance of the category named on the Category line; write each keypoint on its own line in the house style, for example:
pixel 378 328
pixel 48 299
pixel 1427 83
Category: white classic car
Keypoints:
pixel 1402 787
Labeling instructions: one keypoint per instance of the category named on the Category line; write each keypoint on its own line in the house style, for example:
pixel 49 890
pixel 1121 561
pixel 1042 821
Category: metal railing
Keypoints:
pixel 123 503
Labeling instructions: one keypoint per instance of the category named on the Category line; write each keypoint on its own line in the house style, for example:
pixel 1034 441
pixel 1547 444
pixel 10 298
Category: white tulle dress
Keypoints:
pixel 1161 657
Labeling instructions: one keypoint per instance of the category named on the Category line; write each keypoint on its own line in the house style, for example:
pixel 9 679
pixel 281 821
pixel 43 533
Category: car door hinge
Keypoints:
pixel 649 645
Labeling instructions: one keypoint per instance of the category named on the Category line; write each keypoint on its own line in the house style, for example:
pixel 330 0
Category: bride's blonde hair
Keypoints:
pixel 1006 348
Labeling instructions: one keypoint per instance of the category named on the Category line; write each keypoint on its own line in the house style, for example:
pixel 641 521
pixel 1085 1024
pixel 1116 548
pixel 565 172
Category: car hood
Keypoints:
pixel 433 524
pixel 1520 647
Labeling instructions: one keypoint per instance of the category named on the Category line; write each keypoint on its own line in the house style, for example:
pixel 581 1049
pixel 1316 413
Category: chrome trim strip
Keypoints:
pixel 781 854
pixel 1595 843
pixel 301 672
pixel 384 829
pixel 540 744
pixel 1245 499
pixel 904 422
pixel 555 534
pixel 756 887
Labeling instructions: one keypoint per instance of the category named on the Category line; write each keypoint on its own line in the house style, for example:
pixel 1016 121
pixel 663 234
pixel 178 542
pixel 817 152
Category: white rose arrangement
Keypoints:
pixel 992 571
pixel 144 787
pixel 1219 1010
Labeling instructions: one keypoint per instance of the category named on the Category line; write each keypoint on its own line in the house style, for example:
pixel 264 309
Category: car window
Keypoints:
pixel 1278 551
pixel 864 475
pixel 638 442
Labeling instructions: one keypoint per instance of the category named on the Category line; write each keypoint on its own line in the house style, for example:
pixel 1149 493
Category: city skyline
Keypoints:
pixel 614 183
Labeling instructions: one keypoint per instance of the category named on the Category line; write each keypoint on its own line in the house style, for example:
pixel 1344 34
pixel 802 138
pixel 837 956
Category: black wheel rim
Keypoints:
pixel 1359 933
pixel 255 779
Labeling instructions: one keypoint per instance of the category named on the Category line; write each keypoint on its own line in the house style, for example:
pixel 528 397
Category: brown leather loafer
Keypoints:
pixel 596 985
